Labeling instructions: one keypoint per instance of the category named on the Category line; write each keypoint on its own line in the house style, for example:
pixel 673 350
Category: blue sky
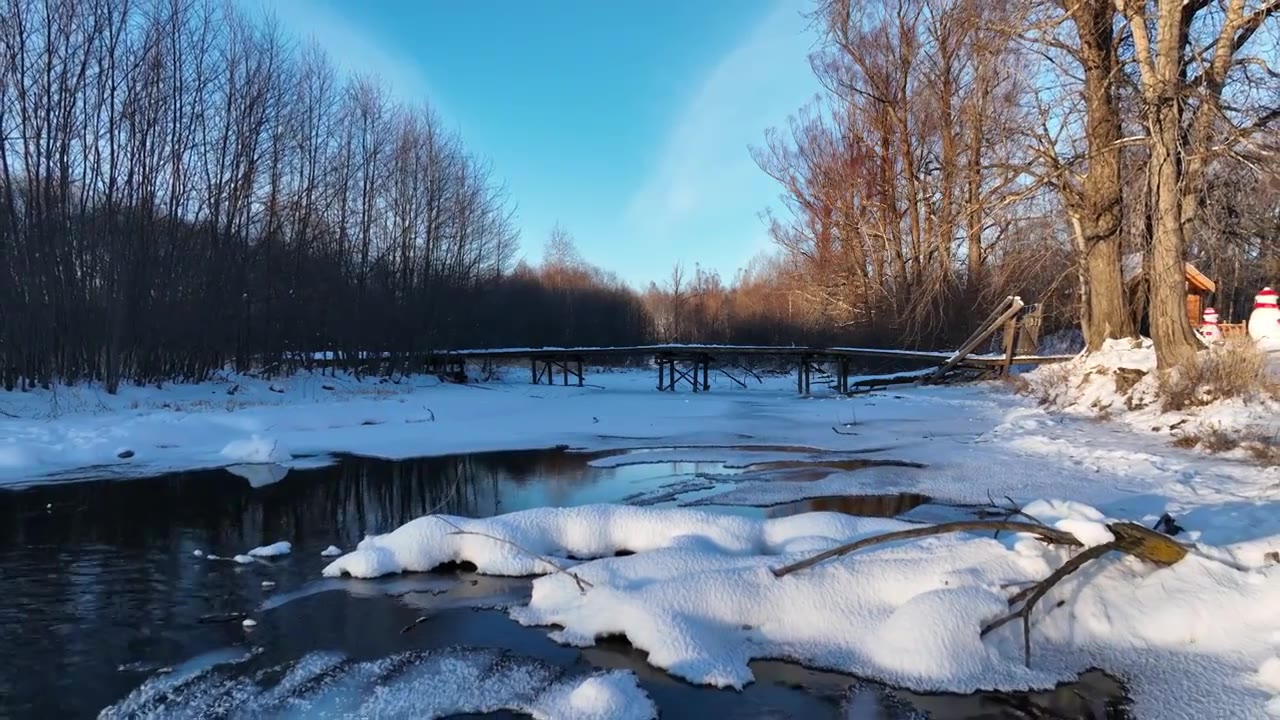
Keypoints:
pixel 628 122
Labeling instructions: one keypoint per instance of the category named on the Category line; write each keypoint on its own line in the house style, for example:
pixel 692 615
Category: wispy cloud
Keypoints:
pixel 705 190
pixel 353 49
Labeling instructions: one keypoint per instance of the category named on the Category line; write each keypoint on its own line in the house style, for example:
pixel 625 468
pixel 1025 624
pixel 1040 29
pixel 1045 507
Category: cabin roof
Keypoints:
pixel 1131 266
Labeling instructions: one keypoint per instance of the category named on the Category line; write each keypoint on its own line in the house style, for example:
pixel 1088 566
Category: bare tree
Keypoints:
pixel 1185 53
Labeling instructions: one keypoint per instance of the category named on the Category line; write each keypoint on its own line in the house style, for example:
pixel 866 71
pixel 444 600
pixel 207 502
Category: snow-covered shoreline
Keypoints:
pixel 1198 640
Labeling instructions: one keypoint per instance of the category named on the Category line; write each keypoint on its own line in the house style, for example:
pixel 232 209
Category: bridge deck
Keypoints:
pixel 792 351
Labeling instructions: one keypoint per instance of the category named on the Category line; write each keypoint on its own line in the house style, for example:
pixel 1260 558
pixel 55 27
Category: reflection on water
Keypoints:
pixel 101 575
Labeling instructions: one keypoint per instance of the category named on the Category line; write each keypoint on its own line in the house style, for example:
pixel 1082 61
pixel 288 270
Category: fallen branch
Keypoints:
pixel 583 585
pixel 221 617
pixel 1154 547
pixel 1129 538
pixel 414 624
pixel 1045 532
pixel 1032 595
pixel 1014 510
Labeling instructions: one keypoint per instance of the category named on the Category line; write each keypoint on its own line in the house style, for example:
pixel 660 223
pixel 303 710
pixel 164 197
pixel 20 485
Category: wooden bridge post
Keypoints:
pixel 579 372
pixel 802 380
pixel 1008 309
pixel 706 365
pixel 661 366
pixel 1010 345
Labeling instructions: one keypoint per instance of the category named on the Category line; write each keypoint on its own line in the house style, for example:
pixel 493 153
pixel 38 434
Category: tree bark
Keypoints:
pixel 1170 328
pixel 1160 66
pixel 1107 312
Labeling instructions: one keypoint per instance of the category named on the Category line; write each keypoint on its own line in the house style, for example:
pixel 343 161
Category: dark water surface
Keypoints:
pixel 102 591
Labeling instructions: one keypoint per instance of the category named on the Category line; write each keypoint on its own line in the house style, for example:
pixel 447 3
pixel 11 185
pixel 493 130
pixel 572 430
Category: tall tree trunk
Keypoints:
pixel 1107 313
pixel 1161 67
pixel 1170 328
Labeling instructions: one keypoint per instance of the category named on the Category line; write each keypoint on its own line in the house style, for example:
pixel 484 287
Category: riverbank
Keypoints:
pixel 1191 641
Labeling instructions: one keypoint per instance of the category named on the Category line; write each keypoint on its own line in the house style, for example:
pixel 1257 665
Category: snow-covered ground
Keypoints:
pixel 1198 640
pixel 1120 383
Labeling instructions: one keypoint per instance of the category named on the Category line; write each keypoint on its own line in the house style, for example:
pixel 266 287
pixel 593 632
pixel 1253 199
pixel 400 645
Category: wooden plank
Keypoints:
pixel 1010 344
pixel 1014 306
pixel 704 353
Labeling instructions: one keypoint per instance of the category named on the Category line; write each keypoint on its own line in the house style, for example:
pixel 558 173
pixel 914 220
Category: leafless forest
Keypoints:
pixel 183 188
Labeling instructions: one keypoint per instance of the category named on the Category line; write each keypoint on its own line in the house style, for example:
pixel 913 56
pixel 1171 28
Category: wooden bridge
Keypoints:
pixel 691 365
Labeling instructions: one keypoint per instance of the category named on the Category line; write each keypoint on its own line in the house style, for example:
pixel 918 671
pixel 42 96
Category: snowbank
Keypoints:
pixel 589 531
pixel 1120 382
pixel 699 597
pixel 256 449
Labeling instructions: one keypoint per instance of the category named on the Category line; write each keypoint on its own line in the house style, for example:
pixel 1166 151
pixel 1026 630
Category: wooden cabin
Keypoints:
pixel 1199 287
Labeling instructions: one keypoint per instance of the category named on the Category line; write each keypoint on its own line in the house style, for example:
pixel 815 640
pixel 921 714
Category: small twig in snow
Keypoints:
pixel 583 585
pixel 1013 510
pixel 1032 595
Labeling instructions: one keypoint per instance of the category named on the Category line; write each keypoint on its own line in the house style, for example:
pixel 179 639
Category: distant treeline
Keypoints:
pixel 184 189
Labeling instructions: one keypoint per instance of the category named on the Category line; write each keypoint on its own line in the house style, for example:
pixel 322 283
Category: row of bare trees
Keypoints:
pixel 182 187
pixel 968 149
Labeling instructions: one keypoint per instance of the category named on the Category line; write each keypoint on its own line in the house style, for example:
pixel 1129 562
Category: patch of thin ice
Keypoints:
pixel 430 684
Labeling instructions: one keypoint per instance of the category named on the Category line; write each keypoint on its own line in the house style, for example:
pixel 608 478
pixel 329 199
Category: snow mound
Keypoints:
pixel 700 597
pixel 908 619
pixel 242 559
pixel 331 551
pixel 430 684
pixel 256 449
pixel 511 544
pixel 1086 523
pixel 273 550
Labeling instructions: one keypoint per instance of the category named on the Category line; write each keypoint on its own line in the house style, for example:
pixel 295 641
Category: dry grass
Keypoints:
pixel 1217 440
pixel 1052 384
pixel 1238 369
pixel 1017 384
pixel 1265 452
pixel 1261 446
